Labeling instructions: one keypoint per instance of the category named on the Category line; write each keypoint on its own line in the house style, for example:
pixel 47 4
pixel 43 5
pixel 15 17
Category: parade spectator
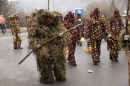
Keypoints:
pixel 2 24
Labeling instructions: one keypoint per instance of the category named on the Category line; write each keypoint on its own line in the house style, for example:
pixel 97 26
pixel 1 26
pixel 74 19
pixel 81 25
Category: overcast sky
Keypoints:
pixel 59 5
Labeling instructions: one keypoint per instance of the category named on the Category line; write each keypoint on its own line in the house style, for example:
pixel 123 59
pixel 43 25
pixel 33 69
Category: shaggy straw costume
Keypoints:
pixel 28 22
pixel 50 57
pixel 121 37
pixel 15 29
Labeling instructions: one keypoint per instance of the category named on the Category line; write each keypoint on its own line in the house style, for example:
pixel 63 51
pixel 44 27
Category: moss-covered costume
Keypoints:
pixel 50 57
pixel 121 37
pixel 16 33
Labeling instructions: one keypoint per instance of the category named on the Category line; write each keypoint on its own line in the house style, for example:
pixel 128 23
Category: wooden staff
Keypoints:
pixel 48 41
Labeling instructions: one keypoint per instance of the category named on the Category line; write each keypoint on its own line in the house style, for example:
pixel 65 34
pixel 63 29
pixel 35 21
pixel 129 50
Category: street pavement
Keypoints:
pixel 106 73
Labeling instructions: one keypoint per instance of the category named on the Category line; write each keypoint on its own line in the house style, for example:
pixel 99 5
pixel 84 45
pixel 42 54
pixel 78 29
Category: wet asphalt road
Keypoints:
pixel 106 73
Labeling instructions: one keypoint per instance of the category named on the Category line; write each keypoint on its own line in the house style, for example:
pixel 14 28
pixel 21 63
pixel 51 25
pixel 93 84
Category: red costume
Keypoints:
pixel 69 22
pixel 116 26
pixel 97 30
pixel 79 29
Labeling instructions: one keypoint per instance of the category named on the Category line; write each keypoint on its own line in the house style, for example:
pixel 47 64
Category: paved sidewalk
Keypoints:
pixel 23 29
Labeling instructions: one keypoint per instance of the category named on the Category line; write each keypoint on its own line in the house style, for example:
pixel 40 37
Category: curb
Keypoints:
pixel 8 30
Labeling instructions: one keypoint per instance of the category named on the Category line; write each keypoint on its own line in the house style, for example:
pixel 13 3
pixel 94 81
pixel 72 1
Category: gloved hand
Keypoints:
pixel 109 35
pixel 61 34
pixel 88 39
pixel 126 37
pixel 38 45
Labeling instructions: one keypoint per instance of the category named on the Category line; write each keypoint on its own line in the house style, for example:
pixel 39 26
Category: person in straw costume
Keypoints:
pixel 50 57
pixel 16 32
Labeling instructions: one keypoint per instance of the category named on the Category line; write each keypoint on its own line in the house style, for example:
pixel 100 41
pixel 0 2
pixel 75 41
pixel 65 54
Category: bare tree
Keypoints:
pixel 112 7
pixel 102 5
pixel 120 4
pixel 106 6
pixel 7 8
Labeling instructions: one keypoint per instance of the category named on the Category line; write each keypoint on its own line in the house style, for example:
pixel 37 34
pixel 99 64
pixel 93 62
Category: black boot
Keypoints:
pixel 111 58
pixel 98 60
pixel 80 44
pixel 58 79
pixel 43 81
pixel 46 82
pixel 73 64
pixel 20 48
pixel 116 60
pixel 95 62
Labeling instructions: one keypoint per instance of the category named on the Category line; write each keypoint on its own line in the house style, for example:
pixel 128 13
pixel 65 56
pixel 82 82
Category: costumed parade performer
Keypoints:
pixel 33 19
pixel 87 35
pixel 124 36
pixel 69 22
pixel 80 29
pixel 28 22
pixel 116 24
pixel 107 21
pixel 97 30
pixel 113 43
pixel 16 32
pixel 50 57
